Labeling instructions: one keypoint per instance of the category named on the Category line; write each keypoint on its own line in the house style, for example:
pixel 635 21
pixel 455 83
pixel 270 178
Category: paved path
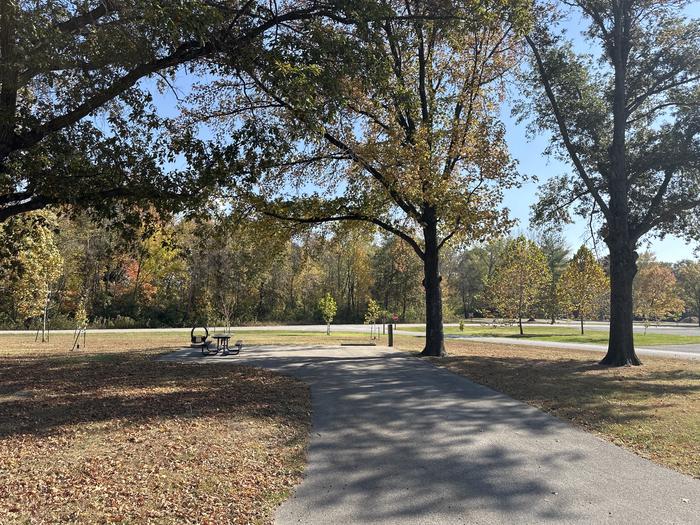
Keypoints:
pixel 691 351
pixel 396 440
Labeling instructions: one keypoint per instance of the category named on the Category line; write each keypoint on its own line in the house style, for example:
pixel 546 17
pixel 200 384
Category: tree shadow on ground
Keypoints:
pixel 395 439
pixel 606 395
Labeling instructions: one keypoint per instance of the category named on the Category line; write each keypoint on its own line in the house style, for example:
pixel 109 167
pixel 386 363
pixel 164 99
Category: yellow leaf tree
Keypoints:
pixel 656 293
pixel 582 285
pixel 328 308
pixel 518 280
pixel 31 263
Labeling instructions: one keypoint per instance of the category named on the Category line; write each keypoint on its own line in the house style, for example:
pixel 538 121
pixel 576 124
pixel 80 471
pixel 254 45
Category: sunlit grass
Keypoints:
pixel 562 334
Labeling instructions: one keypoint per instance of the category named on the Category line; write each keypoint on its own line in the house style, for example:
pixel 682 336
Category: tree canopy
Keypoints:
pixel 77 123
pixel 392 121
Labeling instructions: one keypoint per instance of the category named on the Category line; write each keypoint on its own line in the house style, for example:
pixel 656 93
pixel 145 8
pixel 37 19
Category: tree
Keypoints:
pixel 30 264
pixel 582 284
pixel 80 317
pixel 518 280
pixel 328 309
pixel 76 121
pixel 656 293
pixel 466 277
pixel 688 275
pixel 556 252
pixel 403 136
pixel 373 313
pixel 628 122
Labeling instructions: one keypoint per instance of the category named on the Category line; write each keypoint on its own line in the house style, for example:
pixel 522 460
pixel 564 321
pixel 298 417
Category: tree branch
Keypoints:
pixel 351 217
pixel 564 131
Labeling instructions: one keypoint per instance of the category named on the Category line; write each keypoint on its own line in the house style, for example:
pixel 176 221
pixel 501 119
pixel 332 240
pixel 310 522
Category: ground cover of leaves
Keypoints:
pixel 110 435
pixel 653 410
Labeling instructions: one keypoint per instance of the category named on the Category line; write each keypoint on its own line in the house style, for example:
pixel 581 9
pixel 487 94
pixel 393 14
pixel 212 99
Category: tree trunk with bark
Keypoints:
pixel 623 257
pixel 434 336
pixel 623 267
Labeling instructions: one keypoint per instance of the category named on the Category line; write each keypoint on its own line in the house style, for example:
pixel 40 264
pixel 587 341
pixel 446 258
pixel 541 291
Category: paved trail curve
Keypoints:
pixel 397 440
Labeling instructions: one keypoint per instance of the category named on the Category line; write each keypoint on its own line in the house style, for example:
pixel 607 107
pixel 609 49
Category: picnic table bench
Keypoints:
pixel 200 341
pixel 222 343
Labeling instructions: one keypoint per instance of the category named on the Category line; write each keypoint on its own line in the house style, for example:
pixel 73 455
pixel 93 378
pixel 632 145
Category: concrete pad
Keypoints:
pixel 398 440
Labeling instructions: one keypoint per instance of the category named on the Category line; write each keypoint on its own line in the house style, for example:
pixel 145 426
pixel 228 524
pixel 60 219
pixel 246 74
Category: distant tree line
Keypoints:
pixel 56 270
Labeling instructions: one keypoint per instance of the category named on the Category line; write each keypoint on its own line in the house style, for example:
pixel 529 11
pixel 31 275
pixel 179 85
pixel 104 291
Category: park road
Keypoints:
pixel 396 440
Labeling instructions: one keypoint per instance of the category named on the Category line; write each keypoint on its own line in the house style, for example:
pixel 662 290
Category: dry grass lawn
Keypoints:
pixel 109 435
pixel 653 410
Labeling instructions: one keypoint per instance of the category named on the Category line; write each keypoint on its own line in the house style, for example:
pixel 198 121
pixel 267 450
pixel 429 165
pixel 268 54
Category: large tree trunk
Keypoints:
pixel 434 336
pixel 623 258
pixel 623 267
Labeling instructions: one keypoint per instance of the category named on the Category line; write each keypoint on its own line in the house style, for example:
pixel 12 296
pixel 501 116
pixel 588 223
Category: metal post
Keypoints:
pixel 391 335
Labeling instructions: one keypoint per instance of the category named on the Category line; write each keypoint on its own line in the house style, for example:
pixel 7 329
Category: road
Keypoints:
pixel 398 440
pixel 677 329
pixel 689 352
pixel 684 329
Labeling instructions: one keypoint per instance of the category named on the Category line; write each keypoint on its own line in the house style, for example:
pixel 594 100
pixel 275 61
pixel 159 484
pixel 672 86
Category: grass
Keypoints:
pixel 562 334
pixel 653 410
pixel 107 434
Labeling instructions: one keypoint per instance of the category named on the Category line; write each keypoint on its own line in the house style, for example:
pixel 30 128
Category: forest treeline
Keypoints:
pixel 68 271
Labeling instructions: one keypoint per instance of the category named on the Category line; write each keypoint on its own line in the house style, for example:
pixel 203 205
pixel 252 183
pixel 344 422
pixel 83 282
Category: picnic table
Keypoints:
pixel 222 344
